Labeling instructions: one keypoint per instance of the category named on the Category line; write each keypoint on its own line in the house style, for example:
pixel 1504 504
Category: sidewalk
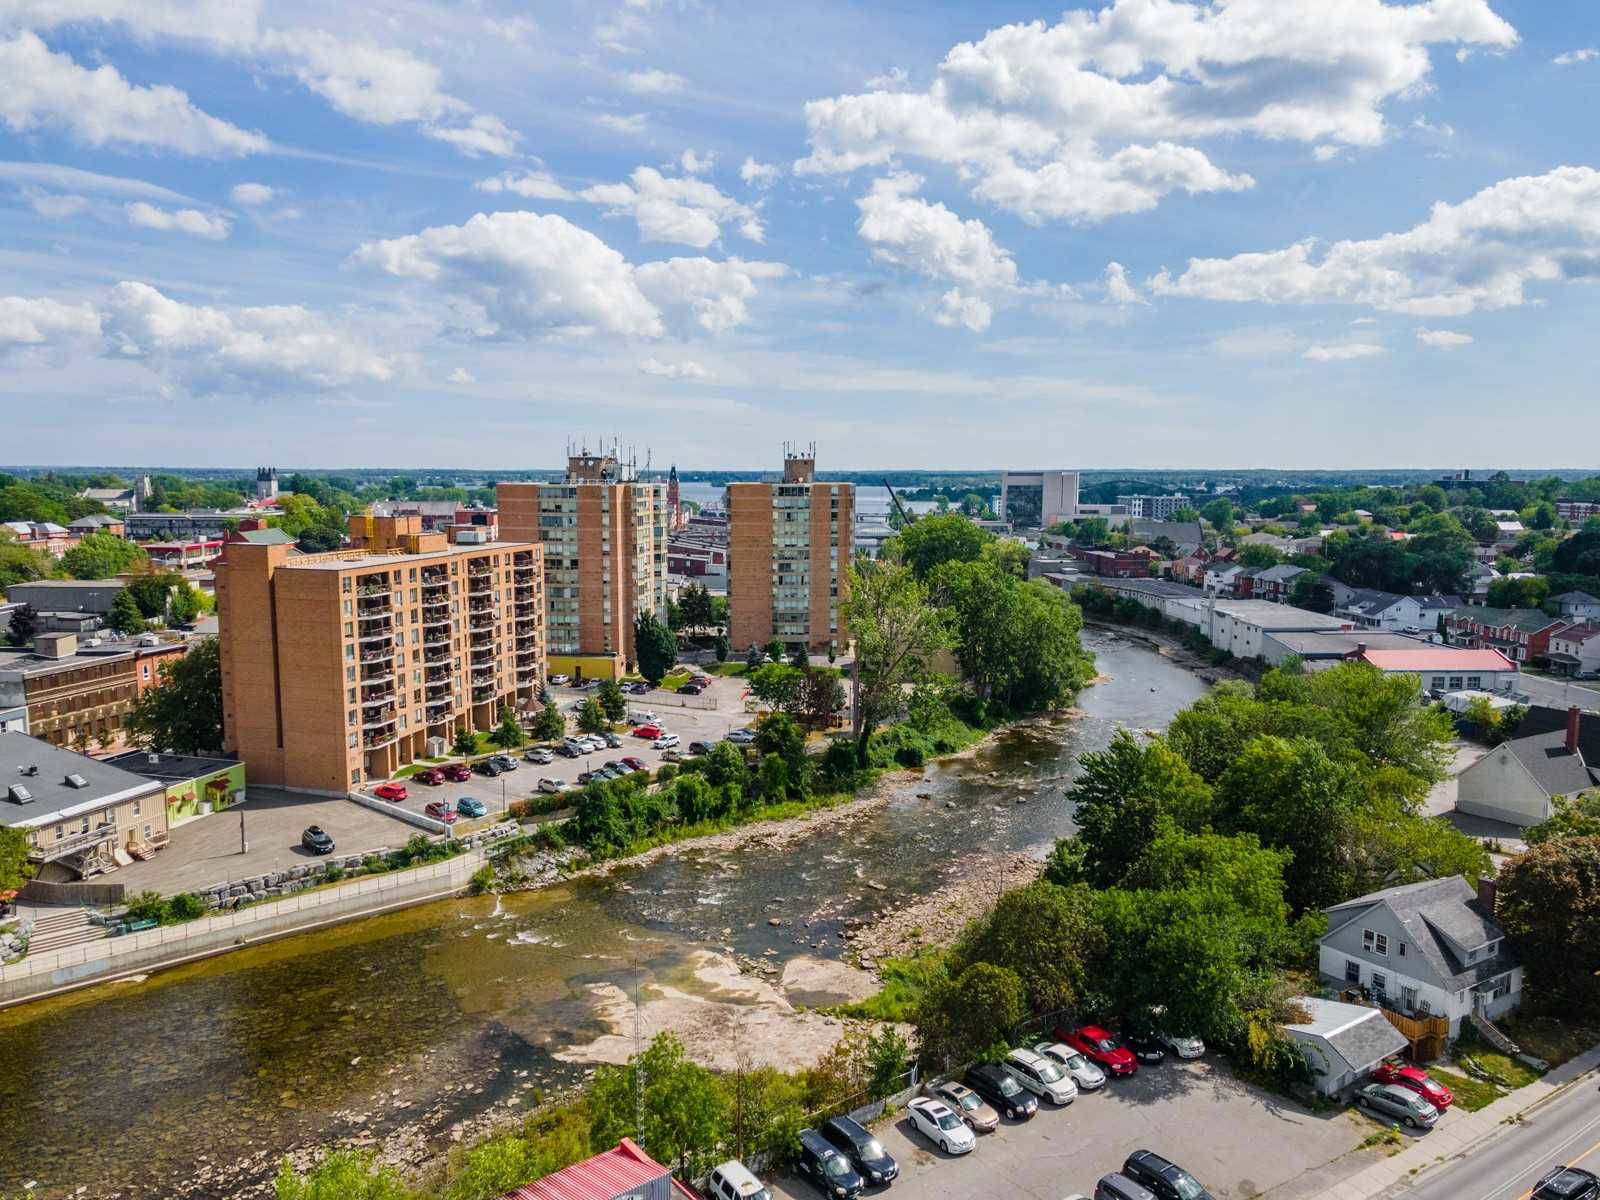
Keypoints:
pixel 1451 1140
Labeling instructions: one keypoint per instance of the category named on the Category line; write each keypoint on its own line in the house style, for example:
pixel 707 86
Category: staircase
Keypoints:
pixel 61 928
pixel 1493 1034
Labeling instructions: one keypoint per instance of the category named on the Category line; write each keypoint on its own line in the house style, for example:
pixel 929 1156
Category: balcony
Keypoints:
pixel 481 624
pixel 373 636
pixel 368 591
pixel 439 620
pixel 372 656
pixel 436 652
pixel 528 678
pixel 483 679
pixel 437 599
pixel 52 849
pixel 479 604
pixel 383 697
pixel 377 720
pixel 435 636
pixel 436 675
pixel 379 670
pixel 482 695
pixel 376 740
pixel 478 567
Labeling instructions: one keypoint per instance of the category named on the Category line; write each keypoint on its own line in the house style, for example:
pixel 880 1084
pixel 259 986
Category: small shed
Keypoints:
pixel 1343 1042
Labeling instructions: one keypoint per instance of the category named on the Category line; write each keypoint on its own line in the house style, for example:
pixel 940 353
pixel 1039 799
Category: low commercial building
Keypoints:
pixel 184 556
pixel 1518 781
pixel 625 1173
pixel 82 816
pixel 1342 1042
pixel 94 596
pixel 1328 647
pixel 74 694
pixel 1153 508
pixel 98 523
pixel 1446 668
pixel 194 785
pixel 1577 511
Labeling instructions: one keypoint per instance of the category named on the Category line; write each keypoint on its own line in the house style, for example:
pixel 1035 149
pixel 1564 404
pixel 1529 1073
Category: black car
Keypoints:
pixel 1000 1088
pixel 639 689
pixel 505 762
pixel 1567 1183
pixel 568 750
pixel 487 766
pixel 1146 1047
pixel 828 1170
pixel 875 1164
pixel 699 747
pixel 1166 1180
pixel 316 840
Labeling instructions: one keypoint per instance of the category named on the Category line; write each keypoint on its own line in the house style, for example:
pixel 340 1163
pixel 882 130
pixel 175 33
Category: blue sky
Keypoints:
pixel 1297 233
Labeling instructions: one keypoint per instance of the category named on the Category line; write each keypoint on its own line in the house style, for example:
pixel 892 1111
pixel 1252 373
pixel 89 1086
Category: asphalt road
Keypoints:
pixel 1559 693
pixel 1566 1131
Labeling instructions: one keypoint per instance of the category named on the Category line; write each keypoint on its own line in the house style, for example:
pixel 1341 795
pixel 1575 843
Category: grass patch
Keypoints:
pixel 728 668
pixel 904 981
pixel 1547 1038
pixel 1500 1068
pixel 1471 1094
pixel 408 771
pixel 677 677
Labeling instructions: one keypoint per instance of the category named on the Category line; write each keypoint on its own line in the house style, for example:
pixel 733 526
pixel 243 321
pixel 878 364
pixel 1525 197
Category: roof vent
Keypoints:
pixel 76 781
pixel 30 770
pixel 19 794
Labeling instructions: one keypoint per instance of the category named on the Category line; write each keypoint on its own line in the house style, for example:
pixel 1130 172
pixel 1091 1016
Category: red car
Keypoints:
pixel 458 772
pixel 649 732
pixel 1100 1048
pixel 389 791
pixel 440 810
pixel 635 763
pixel 1418 1080
pixel 433 777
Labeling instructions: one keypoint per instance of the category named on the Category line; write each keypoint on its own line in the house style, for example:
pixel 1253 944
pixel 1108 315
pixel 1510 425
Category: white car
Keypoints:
pixel 666 741
pixel 552 787
pixel 593 740
pixel 539 755
pixel 1042 1076
pixel 1183 1047
pixel 560 680
pixel 1085 1074
pixel 642 716
pixel 741 737
pixel 940 1124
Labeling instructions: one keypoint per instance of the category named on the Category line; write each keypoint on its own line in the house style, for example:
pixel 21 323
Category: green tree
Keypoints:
pixel 972 1015
pixel 720 647
pixel 20 564
pixel 821 696
pixel 932 540
pixel 1570 816
pixel 464 743
pixel 1386 843
pixel 778 734
pixel 508 733
pixel 1220 513
pixel 775 650
pixel 152 593
pixel 24 625
pixel 26 502
pixel 125 617
pixel 186 604
pixel 896 632
pixel 752 658
pixel 615 704
pixel 1047 935
pixel 1549 904
pixel 15 869
pixel 1519 593
pixel 1257 555
pixel 548 1141
pixel 550 725
pixel 683 1107
pixel 655 647
pixel 101 556
pixel 778 685
pixel 695 604
pixel 592 717
pixel 1008 556
pixel 182 713
pixel 342 1175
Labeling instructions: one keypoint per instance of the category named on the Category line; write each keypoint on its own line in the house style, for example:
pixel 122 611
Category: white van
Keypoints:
pixel 734 1181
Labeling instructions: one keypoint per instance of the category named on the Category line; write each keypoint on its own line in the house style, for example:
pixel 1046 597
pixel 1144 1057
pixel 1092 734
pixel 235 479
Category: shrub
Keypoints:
pixel 186 906
pixel 666 772
pixel 481 881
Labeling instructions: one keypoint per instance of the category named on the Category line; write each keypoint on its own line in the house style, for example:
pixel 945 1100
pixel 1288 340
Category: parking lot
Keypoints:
pixel 1237 1140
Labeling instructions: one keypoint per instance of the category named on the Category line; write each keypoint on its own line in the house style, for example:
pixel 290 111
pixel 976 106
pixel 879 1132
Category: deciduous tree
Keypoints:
pixel 508 733
pixel 183 711
pixel 655 647
pixel 101 556
pixel 683 1107
pixel 896 632
pixel 1549 904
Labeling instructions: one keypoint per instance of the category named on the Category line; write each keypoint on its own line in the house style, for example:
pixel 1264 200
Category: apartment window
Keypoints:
pixel 349 672
pixel 1408 997
pixel 1380 982
pixel 1352 971
pixel 1374 943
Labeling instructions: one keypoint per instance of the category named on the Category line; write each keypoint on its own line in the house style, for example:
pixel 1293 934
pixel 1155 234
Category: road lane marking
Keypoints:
pixel 1510 1179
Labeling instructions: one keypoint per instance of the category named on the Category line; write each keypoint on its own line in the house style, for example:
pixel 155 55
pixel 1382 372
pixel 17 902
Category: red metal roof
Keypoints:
pixel 1438 658
pixel 604 1177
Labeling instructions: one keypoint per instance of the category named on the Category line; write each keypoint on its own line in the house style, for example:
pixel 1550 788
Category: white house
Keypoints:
pixel 1394 613
pixel 1343 1042
pixel 1430 948
pixel 1575 650
pixel 1518 780
pixel 1578 606
pixel 1219 578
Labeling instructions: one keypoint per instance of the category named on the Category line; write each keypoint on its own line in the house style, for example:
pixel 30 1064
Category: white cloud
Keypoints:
pixel 759 174
pixel 482 134
pixel 1443 129
pixel 907 232
pixel 654 83
pixel 967 311
pixel 692 163
pixel 1587 54
pixel 1481 253
pixel 1444 339
pixel 685 369
pixel 1118 289
pixel 511 29
pixel 892 80
pixel 691 212
pixel 1261 342
pixel 251 195
pixel 1326 153
pixel 531 185
pixel 181 220
pixel 34 321
pixel 630 123
pixel 75 180
pixel 533 273
pixel 1089 117
pixel 100 108
pixel 461 375
pixel 1344 352
pixel 54 205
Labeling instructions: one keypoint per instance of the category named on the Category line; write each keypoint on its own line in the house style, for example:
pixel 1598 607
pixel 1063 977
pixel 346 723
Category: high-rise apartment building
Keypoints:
pixel 604 534
pixel 1038 499
pixel 1153 508
pixel 339 668
pixel 789 546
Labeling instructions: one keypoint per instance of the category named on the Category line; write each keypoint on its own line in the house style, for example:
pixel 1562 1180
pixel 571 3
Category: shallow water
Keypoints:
pixel 435 1010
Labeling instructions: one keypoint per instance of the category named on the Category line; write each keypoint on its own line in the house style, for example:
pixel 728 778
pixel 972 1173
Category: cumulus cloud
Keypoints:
pixel 1443 339
pixel 759 174
pixel 892 80
pixel 928 239
pixel 1481 253
pixel 482 134
pixel 692 163
pixel 666 208
pixel 251 195
pixel 100 108
pixel 1571 57
pixel 531 185
pixel 1326 153
pixel 461 375
pixel 654 83
pixel 1118 289
pixel 629 123
pixel 1091 116
pixel 34 321
pixel 969 312
pixel 182 220
pixel 1344 352
pixel 685 369
pixel 533 273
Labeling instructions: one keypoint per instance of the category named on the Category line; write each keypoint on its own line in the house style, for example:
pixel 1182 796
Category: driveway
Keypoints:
pixel 1559 693
pixel 1236 1139
pixel 206 851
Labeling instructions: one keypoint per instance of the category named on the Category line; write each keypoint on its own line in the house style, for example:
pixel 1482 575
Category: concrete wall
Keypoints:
pixel 1499 787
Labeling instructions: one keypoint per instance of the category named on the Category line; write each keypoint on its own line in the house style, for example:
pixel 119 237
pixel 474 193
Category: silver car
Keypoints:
pixel 1085 1074
pixel 1183 1047
pixel 1396 1101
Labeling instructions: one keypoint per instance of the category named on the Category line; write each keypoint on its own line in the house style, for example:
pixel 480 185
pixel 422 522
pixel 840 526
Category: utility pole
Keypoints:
pixel 244 846
pixel 638 1063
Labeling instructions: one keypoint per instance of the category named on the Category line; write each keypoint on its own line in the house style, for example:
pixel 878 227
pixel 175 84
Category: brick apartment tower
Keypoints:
pixel 789 547
pixel 605 558
pixel 337 668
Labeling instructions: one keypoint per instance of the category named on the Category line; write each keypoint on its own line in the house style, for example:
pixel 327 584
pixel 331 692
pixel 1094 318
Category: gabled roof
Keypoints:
pixel 1356 1036
pixel 1371 601
pixel 264 537
pixel 1527 620
pixel 1430 912
pixel 609 1175
pixel 1282 573
pixel 1559 771
pixel 1576 598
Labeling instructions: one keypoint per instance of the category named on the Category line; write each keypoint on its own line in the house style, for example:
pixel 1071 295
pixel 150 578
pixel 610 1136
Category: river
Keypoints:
pixel 193 1081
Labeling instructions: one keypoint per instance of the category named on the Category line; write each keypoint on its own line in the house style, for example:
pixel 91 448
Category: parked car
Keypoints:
pixel 390 791
pixel 540 755
pixel 593 741
pixel 560 680
pixel 586 777
pixel 1117 1186
pixel 940 1124
pixel 552 787
pixel 611 740
pixel 649 731
pixel 1415 1078
pixel 1085 1074
pixel 1146 1046
pixel 504 761
pixel 316 840
pixel 1000 1088
pixel 1042 1076
pixel 1100 1048
pixel 570 750
pixel 1393 1100
pixel 1166 1180
pixel 642 716
pixel 699 747
pixel 969 1106
pixel 742 737
pixel 828 1170
pixel 468 806
pixel 866 1152
pixel 1182 1045
pixel 666 741
pixel 634 763
pixel 432 776
pixel 735 1181
pixel 457 772
pixel 488 766
pixel 440 810
pixel 691 689
pixel 671 756
pixel 1567 1183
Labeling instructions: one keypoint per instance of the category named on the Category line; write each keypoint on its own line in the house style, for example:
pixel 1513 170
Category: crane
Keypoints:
pixel 905 517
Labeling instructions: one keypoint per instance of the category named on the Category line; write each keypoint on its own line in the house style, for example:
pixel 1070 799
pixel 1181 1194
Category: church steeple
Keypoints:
pixel 674 504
